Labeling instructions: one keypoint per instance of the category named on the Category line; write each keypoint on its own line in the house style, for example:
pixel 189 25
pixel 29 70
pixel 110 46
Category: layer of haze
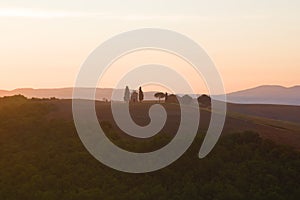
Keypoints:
pixel 43 43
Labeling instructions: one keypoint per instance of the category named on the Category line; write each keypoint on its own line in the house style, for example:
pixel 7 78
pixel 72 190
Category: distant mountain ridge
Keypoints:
pixel 265 94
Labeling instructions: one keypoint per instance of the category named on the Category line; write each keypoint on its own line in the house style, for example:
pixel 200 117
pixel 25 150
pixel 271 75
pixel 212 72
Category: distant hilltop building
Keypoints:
pixel 134 97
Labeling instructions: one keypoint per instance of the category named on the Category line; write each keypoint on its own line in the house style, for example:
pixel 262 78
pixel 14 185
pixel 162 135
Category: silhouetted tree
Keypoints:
pixel 159 95
pixel 186 99
pixel 204 100
pixel 141 94
pixel 171 98
pixel 127 94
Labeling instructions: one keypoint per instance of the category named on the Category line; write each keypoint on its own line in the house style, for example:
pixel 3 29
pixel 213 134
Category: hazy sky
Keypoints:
pixel 43 43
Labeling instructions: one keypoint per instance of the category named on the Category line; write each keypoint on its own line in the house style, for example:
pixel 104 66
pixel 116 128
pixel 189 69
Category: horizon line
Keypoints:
pixel 110 88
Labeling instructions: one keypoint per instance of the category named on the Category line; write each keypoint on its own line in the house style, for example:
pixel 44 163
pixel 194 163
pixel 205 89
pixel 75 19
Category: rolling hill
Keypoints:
pixel 42 156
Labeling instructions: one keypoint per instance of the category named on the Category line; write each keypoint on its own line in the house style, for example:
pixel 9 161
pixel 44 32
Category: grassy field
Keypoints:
pixel 283 131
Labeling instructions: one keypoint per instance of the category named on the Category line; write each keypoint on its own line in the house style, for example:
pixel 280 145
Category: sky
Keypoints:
pixel 44 43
